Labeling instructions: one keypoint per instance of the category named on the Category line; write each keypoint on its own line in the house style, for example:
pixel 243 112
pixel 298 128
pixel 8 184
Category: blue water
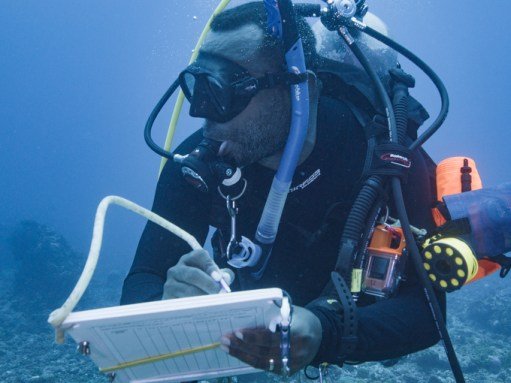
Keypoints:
pixel 78 80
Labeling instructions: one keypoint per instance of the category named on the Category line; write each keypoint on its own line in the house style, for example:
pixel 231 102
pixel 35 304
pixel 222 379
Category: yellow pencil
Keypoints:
pixel 152 359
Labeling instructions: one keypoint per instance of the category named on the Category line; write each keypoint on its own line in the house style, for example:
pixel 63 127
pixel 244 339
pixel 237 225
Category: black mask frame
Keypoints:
pixel 219 89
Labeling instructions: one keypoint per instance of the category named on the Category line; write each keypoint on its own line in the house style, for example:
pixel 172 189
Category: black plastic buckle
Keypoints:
pixel 246 87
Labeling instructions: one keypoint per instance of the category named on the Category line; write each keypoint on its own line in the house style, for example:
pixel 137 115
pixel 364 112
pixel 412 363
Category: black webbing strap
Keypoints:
pixel 349 335
pixel 390 159
pixel 284 78
pixel 251 85
pixel 385 159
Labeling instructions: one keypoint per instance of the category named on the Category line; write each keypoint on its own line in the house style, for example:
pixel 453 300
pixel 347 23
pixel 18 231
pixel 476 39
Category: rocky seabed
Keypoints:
pixel 479 321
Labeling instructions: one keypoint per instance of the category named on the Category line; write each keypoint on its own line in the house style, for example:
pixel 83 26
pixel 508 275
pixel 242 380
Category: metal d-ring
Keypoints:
pixel 236 197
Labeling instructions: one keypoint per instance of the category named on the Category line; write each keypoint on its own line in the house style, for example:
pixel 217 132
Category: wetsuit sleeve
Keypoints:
pixel 394 327
pixel 386 329
pixel 158 249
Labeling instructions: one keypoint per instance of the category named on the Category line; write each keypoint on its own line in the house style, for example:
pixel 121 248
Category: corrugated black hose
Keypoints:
pixel 429 72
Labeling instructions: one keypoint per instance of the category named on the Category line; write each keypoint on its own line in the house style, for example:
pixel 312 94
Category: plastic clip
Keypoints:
pixel 505 264
pixel 285 335
pixel 323 372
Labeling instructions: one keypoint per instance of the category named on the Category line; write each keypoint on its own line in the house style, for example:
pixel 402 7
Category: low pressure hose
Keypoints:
pixel 366 235
pixel 152 117
pixel 405 223
pixel 361 207
pixel 427 70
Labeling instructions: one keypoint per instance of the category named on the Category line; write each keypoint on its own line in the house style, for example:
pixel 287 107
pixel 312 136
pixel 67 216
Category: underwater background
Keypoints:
pixel 77 82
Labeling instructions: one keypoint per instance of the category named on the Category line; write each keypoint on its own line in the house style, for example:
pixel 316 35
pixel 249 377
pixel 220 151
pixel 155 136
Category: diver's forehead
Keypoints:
pixel 238 45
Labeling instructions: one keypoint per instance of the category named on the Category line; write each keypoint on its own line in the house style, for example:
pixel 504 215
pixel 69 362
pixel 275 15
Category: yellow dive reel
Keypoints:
pixel 474 227
pixel 450 263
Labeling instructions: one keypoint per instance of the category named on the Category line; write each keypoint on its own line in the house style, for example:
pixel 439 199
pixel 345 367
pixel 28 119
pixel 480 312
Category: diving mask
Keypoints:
pixel 219 89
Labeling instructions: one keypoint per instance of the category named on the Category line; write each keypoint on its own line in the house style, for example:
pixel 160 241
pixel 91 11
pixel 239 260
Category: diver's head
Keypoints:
pixel 251 121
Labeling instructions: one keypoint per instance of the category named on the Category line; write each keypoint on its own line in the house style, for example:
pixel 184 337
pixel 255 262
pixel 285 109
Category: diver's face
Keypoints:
pixel 262 127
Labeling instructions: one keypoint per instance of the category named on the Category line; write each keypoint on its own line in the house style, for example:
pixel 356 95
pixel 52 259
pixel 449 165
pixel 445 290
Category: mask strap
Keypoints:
pixel 252 85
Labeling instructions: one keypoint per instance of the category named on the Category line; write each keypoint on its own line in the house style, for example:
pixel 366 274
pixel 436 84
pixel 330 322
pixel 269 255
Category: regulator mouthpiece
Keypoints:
pixel 204 170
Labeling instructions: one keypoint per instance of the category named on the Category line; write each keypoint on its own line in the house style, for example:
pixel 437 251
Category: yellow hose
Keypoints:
pixel 180 98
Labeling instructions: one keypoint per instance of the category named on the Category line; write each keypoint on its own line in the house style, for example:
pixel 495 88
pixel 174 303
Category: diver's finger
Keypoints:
pixel 238 341
pixel 194 277
pixel 180 290
pixel 201 260
pixel 260 336
pixel 227 275
pixel 256 356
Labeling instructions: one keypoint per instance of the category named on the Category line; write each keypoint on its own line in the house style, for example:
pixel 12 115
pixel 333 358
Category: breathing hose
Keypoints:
pixel 364 241
pixel 152 117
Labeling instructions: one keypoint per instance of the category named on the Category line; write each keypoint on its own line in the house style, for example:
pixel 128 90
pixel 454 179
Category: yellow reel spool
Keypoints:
pixel 449 262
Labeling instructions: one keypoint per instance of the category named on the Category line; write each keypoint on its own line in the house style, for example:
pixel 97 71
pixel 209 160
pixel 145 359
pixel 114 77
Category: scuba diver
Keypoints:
pixel 240 86
pixel 315 137
pixel 310 140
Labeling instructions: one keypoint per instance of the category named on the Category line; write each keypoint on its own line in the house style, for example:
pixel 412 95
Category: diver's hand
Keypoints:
pixel 257 346
pixel 195 274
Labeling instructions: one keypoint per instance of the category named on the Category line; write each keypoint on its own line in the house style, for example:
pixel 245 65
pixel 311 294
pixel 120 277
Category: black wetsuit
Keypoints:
pixel 306 247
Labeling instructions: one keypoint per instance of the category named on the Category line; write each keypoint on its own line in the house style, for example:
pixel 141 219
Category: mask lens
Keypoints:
pixel 188 84
pixel 220 95
pixel 209 86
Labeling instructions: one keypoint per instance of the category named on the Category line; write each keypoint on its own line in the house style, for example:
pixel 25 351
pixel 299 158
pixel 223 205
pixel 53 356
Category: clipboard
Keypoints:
pixel 172 340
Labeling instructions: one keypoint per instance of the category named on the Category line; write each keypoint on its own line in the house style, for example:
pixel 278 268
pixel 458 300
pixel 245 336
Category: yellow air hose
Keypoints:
pixel 180 98
pixel 59 315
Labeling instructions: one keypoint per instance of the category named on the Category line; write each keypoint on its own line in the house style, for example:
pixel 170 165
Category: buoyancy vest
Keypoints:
pixel 323 189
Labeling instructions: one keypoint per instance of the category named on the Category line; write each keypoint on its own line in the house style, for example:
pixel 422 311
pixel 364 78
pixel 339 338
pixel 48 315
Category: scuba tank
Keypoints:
pixel 474 227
